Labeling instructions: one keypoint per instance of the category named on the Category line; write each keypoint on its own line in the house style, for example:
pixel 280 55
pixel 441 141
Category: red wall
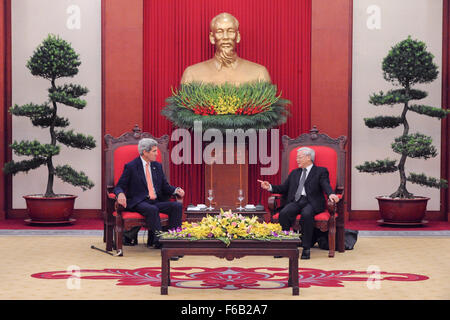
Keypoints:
pixel 122 64
pixel 331 41
pixel 331 62
pixel 123 73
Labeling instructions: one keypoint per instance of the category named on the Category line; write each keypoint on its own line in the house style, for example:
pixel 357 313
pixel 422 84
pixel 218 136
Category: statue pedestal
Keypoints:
pixel 226 179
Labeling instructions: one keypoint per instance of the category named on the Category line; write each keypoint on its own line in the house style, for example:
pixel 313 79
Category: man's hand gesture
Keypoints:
pixel 264 184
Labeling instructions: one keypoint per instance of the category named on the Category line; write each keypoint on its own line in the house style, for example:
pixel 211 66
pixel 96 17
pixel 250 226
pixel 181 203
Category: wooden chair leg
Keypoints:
pixel 119 235
pixel 340 238
pixel 108 236
pixel 331 237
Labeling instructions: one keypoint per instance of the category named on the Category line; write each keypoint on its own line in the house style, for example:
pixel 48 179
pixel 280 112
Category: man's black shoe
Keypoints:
pixel 277 257
pixel 305 254
pixel 174 258
pixel 129 242
pixel 130 237
pixel 157 245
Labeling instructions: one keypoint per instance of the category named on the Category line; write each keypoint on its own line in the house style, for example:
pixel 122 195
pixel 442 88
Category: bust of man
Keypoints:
pixel 225 66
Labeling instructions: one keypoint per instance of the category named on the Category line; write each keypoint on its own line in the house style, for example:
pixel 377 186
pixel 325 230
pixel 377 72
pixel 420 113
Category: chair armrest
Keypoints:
pixel 119 208
pixel 333 206
pixel 339 190
pixel 110 203
pixel 112 200
pixel 111 196
pixel 178 198
pixel 109 189
pixel 273 203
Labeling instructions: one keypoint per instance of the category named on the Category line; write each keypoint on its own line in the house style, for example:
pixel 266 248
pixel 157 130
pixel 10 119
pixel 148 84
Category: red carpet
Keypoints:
pixel 79 224
pixel 97 224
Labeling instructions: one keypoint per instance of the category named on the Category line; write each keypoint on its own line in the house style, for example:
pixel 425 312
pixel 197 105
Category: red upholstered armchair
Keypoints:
pixel 330 153
pixel 120 151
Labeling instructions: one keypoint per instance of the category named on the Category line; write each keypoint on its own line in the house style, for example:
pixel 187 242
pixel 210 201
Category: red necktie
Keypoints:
pixel 151 190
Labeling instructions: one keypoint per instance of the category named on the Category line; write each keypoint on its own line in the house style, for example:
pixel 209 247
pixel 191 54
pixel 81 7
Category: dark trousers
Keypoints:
pixel 289 213
pixel 150 209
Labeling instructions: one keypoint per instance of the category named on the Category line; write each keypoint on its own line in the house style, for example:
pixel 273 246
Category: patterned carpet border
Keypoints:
pixel 231 278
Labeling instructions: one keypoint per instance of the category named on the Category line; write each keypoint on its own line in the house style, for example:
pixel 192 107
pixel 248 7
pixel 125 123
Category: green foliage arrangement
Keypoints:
pixel 54 58
pixel 250 105
pixel 406 64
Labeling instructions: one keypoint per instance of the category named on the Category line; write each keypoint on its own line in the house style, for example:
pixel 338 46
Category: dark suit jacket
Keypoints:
pixel 317 183
pixel 132 182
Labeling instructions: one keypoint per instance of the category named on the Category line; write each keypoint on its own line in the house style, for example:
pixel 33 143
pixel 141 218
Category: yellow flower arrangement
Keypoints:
pixel 228 226
pixel 227 104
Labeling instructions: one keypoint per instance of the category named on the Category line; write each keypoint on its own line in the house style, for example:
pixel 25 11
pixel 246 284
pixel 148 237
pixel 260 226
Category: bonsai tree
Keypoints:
pixel 54 58
pixel 407 63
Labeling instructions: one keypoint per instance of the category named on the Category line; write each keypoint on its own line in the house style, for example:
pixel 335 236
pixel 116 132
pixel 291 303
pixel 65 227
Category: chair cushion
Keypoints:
pixel 130 215
pixel 123 155
pixel 323 216
pixel 134 215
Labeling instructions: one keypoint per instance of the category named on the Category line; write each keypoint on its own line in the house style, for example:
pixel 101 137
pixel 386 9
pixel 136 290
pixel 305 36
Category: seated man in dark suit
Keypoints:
pixel 143 188
pixel 303 191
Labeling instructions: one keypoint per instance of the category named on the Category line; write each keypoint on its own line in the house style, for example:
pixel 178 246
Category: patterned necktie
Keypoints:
pixel 151 190
pixel 301 184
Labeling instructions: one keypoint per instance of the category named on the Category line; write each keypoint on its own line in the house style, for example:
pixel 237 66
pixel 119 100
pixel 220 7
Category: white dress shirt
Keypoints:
pixel 308 169
pixel 144 163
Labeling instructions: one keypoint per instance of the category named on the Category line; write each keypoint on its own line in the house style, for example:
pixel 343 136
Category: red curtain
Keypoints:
pixel 276 34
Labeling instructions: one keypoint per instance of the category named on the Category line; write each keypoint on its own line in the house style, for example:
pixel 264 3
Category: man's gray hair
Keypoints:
pixel 146 144
pixel 307 152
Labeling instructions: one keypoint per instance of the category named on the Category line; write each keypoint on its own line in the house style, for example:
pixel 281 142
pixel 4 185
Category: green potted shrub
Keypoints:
pixel 407 64
pixel 53 59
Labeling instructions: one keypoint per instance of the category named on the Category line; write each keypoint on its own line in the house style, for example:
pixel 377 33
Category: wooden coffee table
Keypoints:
pixel 236 249
pixel 195 216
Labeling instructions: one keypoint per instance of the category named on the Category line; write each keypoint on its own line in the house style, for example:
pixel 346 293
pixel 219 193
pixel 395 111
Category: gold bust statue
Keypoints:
pixel 225 66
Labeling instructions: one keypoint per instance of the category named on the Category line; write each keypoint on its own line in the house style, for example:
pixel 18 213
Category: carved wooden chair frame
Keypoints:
pixel 334 225
pixel 114 225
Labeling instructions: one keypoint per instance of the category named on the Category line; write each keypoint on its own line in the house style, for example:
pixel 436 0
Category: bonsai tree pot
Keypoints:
pixel 402 211
pixel 54 210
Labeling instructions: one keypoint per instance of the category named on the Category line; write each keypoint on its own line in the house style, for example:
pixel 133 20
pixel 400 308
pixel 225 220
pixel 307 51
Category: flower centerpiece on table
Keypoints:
pixel 251 105
pixel 228 226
